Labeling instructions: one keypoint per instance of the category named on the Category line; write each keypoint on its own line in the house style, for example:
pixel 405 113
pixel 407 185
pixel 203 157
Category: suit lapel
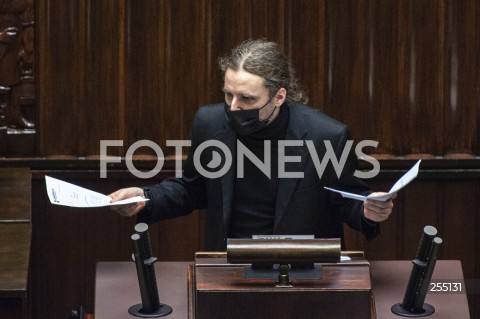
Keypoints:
pixel 286 186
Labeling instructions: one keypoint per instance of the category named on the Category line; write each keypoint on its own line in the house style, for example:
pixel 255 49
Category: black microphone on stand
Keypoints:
pixel 144 262
pixel 413 304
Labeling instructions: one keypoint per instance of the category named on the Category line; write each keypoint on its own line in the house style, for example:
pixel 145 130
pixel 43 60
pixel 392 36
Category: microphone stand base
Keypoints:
pixel 400 311
pixel 137 311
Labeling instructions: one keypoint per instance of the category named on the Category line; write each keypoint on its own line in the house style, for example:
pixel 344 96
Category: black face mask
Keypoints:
pixel 246 122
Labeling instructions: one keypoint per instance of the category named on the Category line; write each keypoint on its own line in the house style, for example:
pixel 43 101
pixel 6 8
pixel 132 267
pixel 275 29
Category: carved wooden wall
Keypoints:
pixel 17 78
pixel 404 73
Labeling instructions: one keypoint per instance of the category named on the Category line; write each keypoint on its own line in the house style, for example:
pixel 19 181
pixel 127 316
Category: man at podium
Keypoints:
pixel 273 147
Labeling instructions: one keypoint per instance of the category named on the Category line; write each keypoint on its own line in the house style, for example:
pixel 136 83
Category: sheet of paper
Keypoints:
pixel 67 194
pixel 401 183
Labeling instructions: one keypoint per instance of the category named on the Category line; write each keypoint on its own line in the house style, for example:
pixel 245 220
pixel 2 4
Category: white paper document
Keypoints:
pixel 401 183
pixel 67 194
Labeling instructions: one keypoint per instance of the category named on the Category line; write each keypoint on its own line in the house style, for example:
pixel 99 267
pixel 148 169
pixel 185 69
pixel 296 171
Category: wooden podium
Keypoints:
pixel 219 290
pixel 116 289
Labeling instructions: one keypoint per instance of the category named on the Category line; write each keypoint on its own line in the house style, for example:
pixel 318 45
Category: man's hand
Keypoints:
pixel 127 209
pixel 378 211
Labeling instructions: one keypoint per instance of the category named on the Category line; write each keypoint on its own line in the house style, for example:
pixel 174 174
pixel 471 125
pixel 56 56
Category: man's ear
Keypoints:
pixel 280 97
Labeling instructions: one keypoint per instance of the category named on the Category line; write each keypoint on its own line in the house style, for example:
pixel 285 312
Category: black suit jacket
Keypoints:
pixel 303 206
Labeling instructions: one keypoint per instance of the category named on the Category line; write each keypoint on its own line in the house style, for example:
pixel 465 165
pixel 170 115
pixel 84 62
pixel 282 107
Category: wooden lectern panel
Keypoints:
pixel 221 291
pixel 15 195
pixel 15 241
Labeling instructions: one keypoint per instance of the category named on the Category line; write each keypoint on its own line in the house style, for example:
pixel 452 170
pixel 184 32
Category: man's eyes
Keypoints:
pixel 248 99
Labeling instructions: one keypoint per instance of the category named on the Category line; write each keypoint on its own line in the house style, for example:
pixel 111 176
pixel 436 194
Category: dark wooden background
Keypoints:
pixel 405 73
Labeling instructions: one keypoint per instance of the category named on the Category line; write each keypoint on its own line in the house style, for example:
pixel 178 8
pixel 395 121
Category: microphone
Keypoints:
pixel 144 262
pixel 413 304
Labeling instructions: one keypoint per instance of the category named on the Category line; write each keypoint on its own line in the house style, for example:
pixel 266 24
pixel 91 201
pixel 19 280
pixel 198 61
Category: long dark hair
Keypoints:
pixel 264 58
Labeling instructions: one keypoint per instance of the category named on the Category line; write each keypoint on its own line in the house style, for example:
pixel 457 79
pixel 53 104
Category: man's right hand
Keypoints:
pixel 127 209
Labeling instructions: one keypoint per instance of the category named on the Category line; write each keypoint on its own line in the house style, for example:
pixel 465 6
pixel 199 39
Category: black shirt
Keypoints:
pixel 255 194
